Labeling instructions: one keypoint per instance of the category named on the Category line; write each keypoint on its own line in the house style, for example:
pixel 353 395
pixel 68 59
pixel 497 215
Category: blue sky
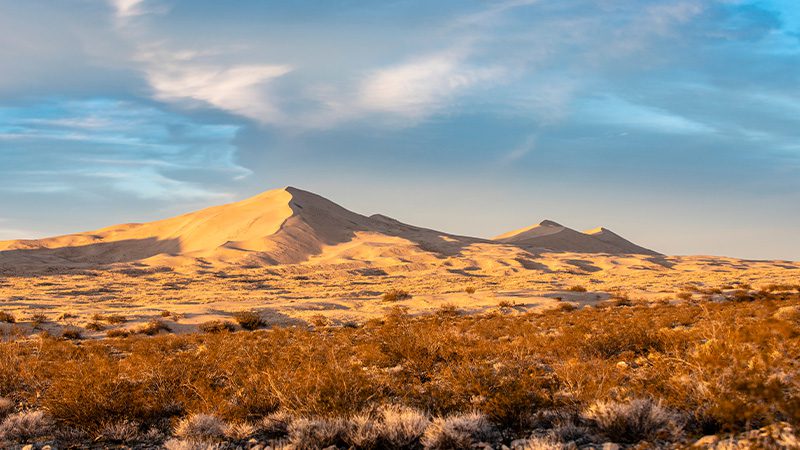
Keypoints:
pixel 675 123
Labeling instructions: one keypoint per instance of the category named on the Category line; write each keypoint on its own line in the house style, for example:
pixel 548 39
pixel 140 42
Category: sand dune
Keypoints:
pixel 292 226
pixel 282 226
pixel 554 237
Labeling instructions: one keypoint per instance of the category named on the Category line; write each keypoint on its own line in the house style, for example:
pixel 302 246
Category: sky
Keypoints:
pixel 674 123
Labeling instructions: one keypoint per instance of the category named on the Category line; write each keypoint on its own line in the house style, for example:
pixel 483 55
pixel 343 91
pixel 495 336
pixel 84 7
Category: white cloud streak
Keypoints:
pixel 422 86
pixel 242 90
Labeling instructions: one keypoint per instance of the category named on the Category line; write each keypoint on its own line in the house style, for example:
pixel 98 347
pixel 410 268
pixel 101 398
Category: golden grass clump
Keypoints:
pixel 216 326
pixel 249 320
pixel 394 295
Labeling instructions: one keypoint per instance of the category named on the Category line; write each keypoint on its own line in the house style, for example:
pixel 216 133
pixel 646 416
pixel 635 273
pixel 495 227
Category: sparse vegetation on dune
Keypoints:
pixel 663 373
pixel 249 320
pixel 394 295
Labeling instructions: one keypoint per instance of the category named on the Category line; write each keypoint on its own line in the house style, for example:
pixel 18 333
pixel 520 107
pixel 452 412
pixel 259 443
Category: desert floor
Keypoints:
pixel 306 294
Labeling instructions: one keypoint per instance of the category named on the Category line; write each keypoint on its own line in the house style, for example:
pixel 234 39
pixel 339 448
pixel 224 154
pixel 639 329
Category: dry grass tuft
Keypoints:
pixel 216 326
pixel 275 425
pixel 633 421
pixel 7 317
pixel 119 432
pixel 313 434
pixel 458 431
pixel 394 295
pixel 401 427
pixel 95 326
pixel 37 320
pixel 118 333
pixel 154 327
pixel 6 407
pixel 249 320
pixel 201 427
pixel 72 333
pixel 24 426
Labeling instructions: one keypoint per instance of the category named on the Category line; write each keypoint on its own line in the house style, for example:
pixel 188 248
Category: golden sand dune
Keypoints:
pixel 290 226
pixel 551 236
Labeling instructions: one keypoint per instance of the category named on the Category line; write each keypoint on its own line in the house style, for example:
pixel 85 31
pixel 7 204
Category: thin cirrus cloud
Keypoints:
pixel 243 89
pixel 416 89
pixel 122 146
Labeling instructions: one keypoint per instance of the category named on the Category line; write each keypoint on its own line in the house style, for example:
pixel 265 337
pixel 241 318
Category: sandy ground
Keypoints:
pixel 337 294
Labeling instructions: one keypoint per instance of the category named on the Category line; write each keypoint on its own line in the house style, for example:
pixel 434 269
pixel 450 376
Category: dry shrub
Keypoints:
pixel 72 333
pixel 319 320
pixel 458 431
pixel 95 326
pixel 313 434
pixel 566 307
pixel 742 295
pixel 469 290
pixel 723 366
pixel 200 427
pixel 24 426
pixel 505 304
pixel 121 431
pixel 275 425
pixel 394 295
pixel 249 320
pixel 401 427
pixel 65 316
pixel 364 432
pixel 633 421
pixel 448 310
pixel 216 326
pixel 790 313
pixel 115 319
pixel 118 333
pixel 240 431
pixel 37 320
pixel 6 407
pixel 577 288
pixel 153 327
pixel 7 317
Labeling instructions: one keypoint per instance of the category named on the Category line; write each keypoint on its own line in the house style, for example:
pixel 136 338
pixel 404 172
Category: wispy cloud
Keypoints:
pixel 520 151
pixel 425 85
pixel 616 111
pixel 240 89
pixel 127 8
pixel 110 144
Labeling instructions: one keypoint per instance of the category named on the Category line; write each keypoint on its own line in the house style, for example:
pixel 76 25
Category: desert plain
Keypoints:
pixel 299 260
